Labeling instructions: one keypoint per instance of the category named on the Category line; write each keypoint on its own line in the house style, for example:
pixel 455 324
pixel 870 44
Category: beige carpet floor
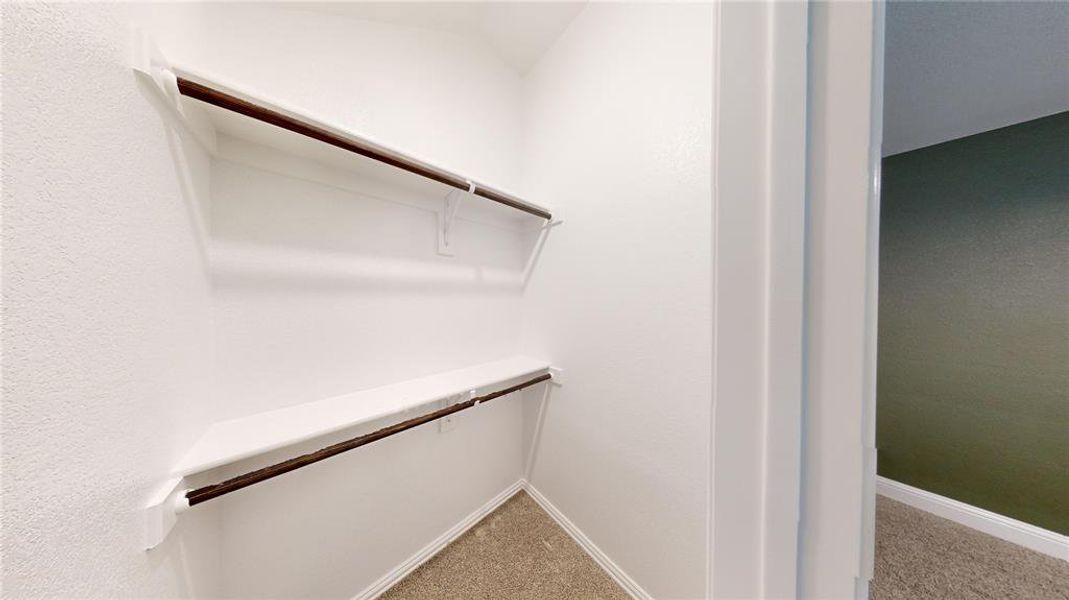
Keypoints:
pixel 516 552
pixel 920 556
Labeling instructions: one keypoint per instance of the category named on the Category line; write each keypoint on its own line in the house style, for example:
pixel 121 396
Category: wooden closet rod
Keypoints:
pixel 222 99
pixel 208 492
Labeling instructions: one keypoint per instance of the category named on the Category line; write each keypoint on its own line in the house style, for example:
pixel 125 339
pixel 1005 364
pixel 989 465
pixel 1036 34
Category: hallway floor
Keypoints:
pixel 516 552
pixel 922 556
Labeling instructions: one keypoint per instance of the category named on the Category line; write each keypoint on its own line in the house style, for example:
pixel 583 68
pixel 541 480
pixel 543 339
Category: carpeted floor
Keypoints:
pixel 517 552
pixel 920 556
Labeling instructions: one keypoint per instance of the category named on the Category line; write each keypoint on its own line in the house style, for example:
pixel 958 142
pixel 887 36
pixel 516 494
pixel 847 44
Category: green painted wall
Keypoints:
pixel 973 377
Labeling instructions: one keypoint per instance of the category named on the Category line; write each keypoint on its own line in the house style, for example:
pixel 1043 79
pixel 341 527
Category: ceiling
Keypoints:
pixel 519 33
pixel 954 69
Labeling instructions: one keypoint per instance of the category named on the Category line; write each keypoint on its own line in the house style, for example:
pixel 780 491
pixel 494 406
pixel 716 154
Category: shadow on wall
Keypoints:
pixel 272 230
pixel 323 228
pixel 189 161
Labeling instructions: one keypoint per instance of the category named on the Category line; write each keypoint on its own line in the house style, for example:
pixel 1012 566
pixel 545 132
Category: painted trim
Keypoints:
pixel 758 298
pixel 402 570
pixel 867 558
pixel 837 300
pixel 396 574
pixel 1003 527
pixel 611 568
pixel 785 231
pixel 710 447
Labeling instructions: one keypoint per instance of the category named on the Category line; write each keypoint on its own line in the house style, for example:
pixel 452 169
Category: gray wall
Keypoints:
pixel 973 372
pixel 953 69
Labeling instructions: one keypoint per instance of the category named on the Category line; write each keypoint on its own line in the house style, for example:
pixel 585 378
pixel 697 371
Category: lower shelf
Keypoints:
pixel 237 439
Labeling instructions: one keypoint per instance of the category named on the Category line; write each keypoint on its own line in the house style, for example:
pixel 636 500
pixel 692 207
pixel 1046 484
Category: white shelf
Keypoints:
pixel 237 439
pixel 210 104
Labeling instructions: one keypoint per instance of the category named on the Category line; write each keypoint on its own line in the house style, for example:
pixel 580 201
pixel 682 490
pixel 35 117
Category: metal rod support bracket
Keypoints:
pixel 151 66
pixel 447 216
pixel 162 511
pixel 449 423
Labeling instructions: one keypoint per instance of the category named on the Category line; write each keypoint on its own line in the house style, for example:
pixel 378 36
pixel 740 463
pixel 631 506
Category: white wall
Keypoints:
pixel 325 282
pixel 107 339
pixel 958 68
pixel 618 138
pixel 299 317
pixel 123 343
pixel 516 32
pixel 433 94
pixel 126 333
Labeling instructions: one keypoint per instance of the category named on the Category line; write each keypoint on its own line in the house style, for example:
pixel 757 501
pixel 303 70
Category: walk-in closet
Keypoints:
pixel 337 300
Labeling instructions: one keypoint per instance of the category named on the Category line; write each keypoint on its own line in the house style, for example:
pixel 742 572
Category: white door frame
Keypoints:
pixel 796 207
pixel 839 455
pixel 759 223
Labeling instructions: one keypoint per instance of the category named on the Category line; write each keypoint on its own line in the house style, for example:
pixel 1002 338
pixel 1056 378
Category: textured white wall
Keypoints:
pixel 325 283
pixel 433 94
pixel 123 343
pixel 301 317
pixel 618 135
pixel 284 233
pixel 958 68
pixel 107 344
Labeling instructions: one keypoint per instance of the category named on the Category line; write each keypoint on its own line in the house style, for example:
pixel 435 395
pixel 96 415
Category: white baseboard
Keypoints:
pixel 618 575
pixel 1011 530
pixel 402 570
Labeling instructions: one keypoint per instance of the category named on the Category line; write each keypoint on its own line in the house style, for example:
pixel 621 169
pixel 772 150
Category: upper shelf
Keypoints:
pixel 209 105
pixel 266 114
pixel 230 441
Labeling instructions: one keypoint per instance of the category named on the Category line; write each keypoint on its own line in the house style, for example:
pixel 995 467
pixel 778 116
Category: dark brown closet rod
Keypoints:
pixel 233 103
pixel 208 492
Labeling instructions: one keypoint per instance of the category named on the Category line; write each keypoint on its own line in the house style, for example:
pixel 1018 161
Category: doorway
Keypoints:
pixel 973 309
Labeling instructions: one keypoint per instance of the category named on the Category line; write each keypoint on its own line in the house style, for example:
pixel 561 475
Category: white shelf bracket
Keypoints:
pixel 149 63
pixel 152 66
pixel 163 510
pixel 449 423
pixel 447 216
pixel 557 375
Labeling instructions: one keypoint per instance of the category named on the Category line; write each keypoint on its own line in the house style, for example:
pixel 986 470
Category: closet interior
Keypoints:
pixel 413 221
